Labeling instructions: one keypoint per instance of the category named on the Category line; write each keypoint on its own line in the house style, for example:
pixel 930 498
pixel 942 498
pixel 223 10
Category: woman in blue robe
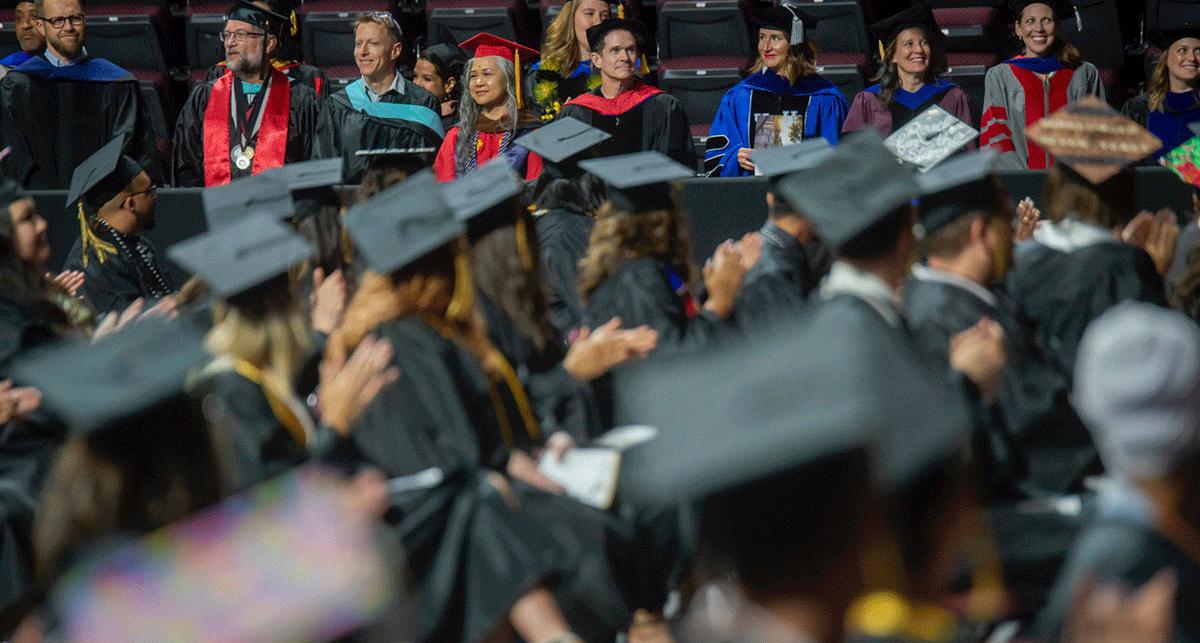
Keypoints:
pixel 782 101
pixel 1171 102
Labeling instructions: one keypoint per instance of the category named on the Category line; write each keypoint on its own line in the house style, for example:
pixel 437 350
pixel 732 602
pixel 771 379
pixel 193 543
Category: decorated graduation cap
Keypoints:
pixel 1093 139
pixel 402 224
pixel 919 15
pixel 95 386
pixel 96 181
pixel 1063 10
pixel 638 182
pixel 789 19
pixel 243 254
pixel 486 44
pixel 781 160
pixel 1184 160
pixel 930 138
pixel 857 186
pixel 257 194
pixel 311 184
pixel 562 143
pixel 959 186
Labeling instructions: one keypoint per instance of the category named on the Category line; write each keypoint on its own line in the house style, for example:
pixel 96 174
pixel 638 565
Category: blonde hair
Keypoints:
pixel 271 334
pixel 801 62
pixel 388 23
pixel 1160 84
pixel 560 52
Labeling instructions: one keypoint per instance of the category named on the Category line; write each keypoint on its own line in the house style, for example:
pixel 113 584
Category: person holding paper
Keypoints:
pixel 1048 75
pixel 908 83
pixel 782 101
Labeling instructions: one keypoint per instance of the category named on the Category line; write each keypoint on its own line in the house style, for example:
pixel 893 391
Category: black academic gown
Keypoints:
pixel 639 292
pixel 563 239
pixel 1044 439
pixel 779 283
pixel 54 118
pixel 188 142
pixel 123 276
pixel 1063 292
pixel 297 72
pixel 470 552
pixel 640 119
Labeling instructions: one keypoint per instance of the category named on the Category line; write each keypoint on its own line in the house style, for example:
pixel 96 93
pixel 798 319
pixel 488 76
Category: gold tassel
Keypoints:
pixel 501 416
pixel 89 240
pixel 882 52
pixel 645 69
pixel 462 302
pixel 282 412
pixel 532 428
pixel 523 245
pixel 292 19
pixel 517 74
pixel 620 10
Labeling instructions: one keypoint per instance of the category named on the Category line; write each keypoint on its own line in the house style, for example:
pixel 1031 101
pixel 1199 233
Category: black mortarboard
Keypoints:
pixel 307 175
pixel 102 176
pixel 1093 139
pixel 445 55
pixel 257 194
pixel 266 19
pixel 918 15
pixel 1063 10
pixel 1164 38
pixel 791 20
pixel 92 386
pixel 242 254
pixel 10 191
pixel 638 182
pixel 781 160
pixel 596 33
pixel 477 199
pixel 402 224
pixel 562 144
pixel 857 186
pixel 961 185
pixel 409 159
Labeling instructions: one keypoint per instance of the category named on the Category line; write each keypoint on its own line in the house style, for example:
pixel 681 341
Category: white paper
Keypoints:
pixel 588 475
pixel 626 437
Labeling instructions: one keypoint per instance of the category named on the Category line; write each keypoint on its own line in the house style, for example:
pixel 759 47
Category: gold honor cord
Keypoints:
pixel 517 74
pixel 523 246
pixel 89 242
pixel 279 408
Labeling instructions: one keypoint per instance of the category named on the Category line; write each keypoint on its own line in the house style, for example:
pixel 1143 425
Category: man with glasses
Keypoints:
pixel 249 120
pixel 286 56
pixel 31 41
pixel 61 106
pixel 381 109
pixel 114 201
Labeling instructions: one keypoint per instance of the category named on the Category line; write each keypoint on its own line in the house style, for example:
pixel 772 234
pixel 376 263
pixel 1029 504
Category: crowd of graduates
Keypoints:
pixel 488 395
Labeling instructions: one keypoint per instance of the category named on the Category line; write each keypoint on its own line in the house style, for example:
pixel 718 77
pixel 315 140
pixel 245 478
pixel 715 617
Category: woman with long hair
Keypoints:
pixel 908 83
pixel 638 264
pixel 565 70
pixel 782 101
pixel 492 115
pixel 1172 99
pixel 1048 75
pixel 439 71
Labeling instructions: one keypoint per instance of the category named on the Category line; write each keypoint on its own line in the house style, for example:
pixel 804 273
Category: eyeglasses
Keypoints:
pixel 152 191
pixel 59 22
pixel 385 16
pixel 240 35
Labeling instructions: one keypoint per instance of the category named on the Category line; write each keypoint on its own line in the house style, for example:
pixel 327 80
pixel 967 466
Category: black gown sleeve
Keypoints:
pixel 303 115
pixel 188 143
pixel 257 446
pixel 671 124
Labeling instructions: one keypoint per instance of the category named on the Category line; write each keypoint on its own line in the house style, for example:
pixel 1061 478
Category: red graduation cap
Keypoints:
pixel 485 44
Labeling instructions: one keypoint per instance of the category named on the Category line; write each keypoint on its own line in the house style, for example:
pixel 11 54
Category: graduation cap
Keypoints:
pixel 638 182
pixel 597 33
pixel 930 138
pixel 1093 139
pixel 562 143
pixel 308 175
pixel 444 55
pixel 1063 9
pixel 791 20
pixel 477 198
pixel 94 386
pixel 10 191
pixel 781 160
pixel 257 194
pixel 242 254
pixel 1164 38
pixel 857 186
pixel 961 185
pixel 408 159
pixel 102 176
pixel 920 15
pixel 266 19
pixel 485 44
pixel 402 224
pixel 1184 160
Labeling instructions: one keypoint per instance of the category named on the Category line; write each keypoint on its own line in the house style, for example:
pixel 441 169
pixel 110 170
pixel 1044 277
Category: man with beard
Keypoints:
pixel 286 57
pixel 639 117
pixel 28 37
pixel 60 107
pixel 381 109
pixel 250 119
pixel 115 203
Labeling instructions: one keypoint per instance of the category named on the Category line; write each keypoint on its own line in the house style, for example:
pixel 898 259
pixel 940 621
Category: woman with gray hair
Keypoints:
pixel 492 114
